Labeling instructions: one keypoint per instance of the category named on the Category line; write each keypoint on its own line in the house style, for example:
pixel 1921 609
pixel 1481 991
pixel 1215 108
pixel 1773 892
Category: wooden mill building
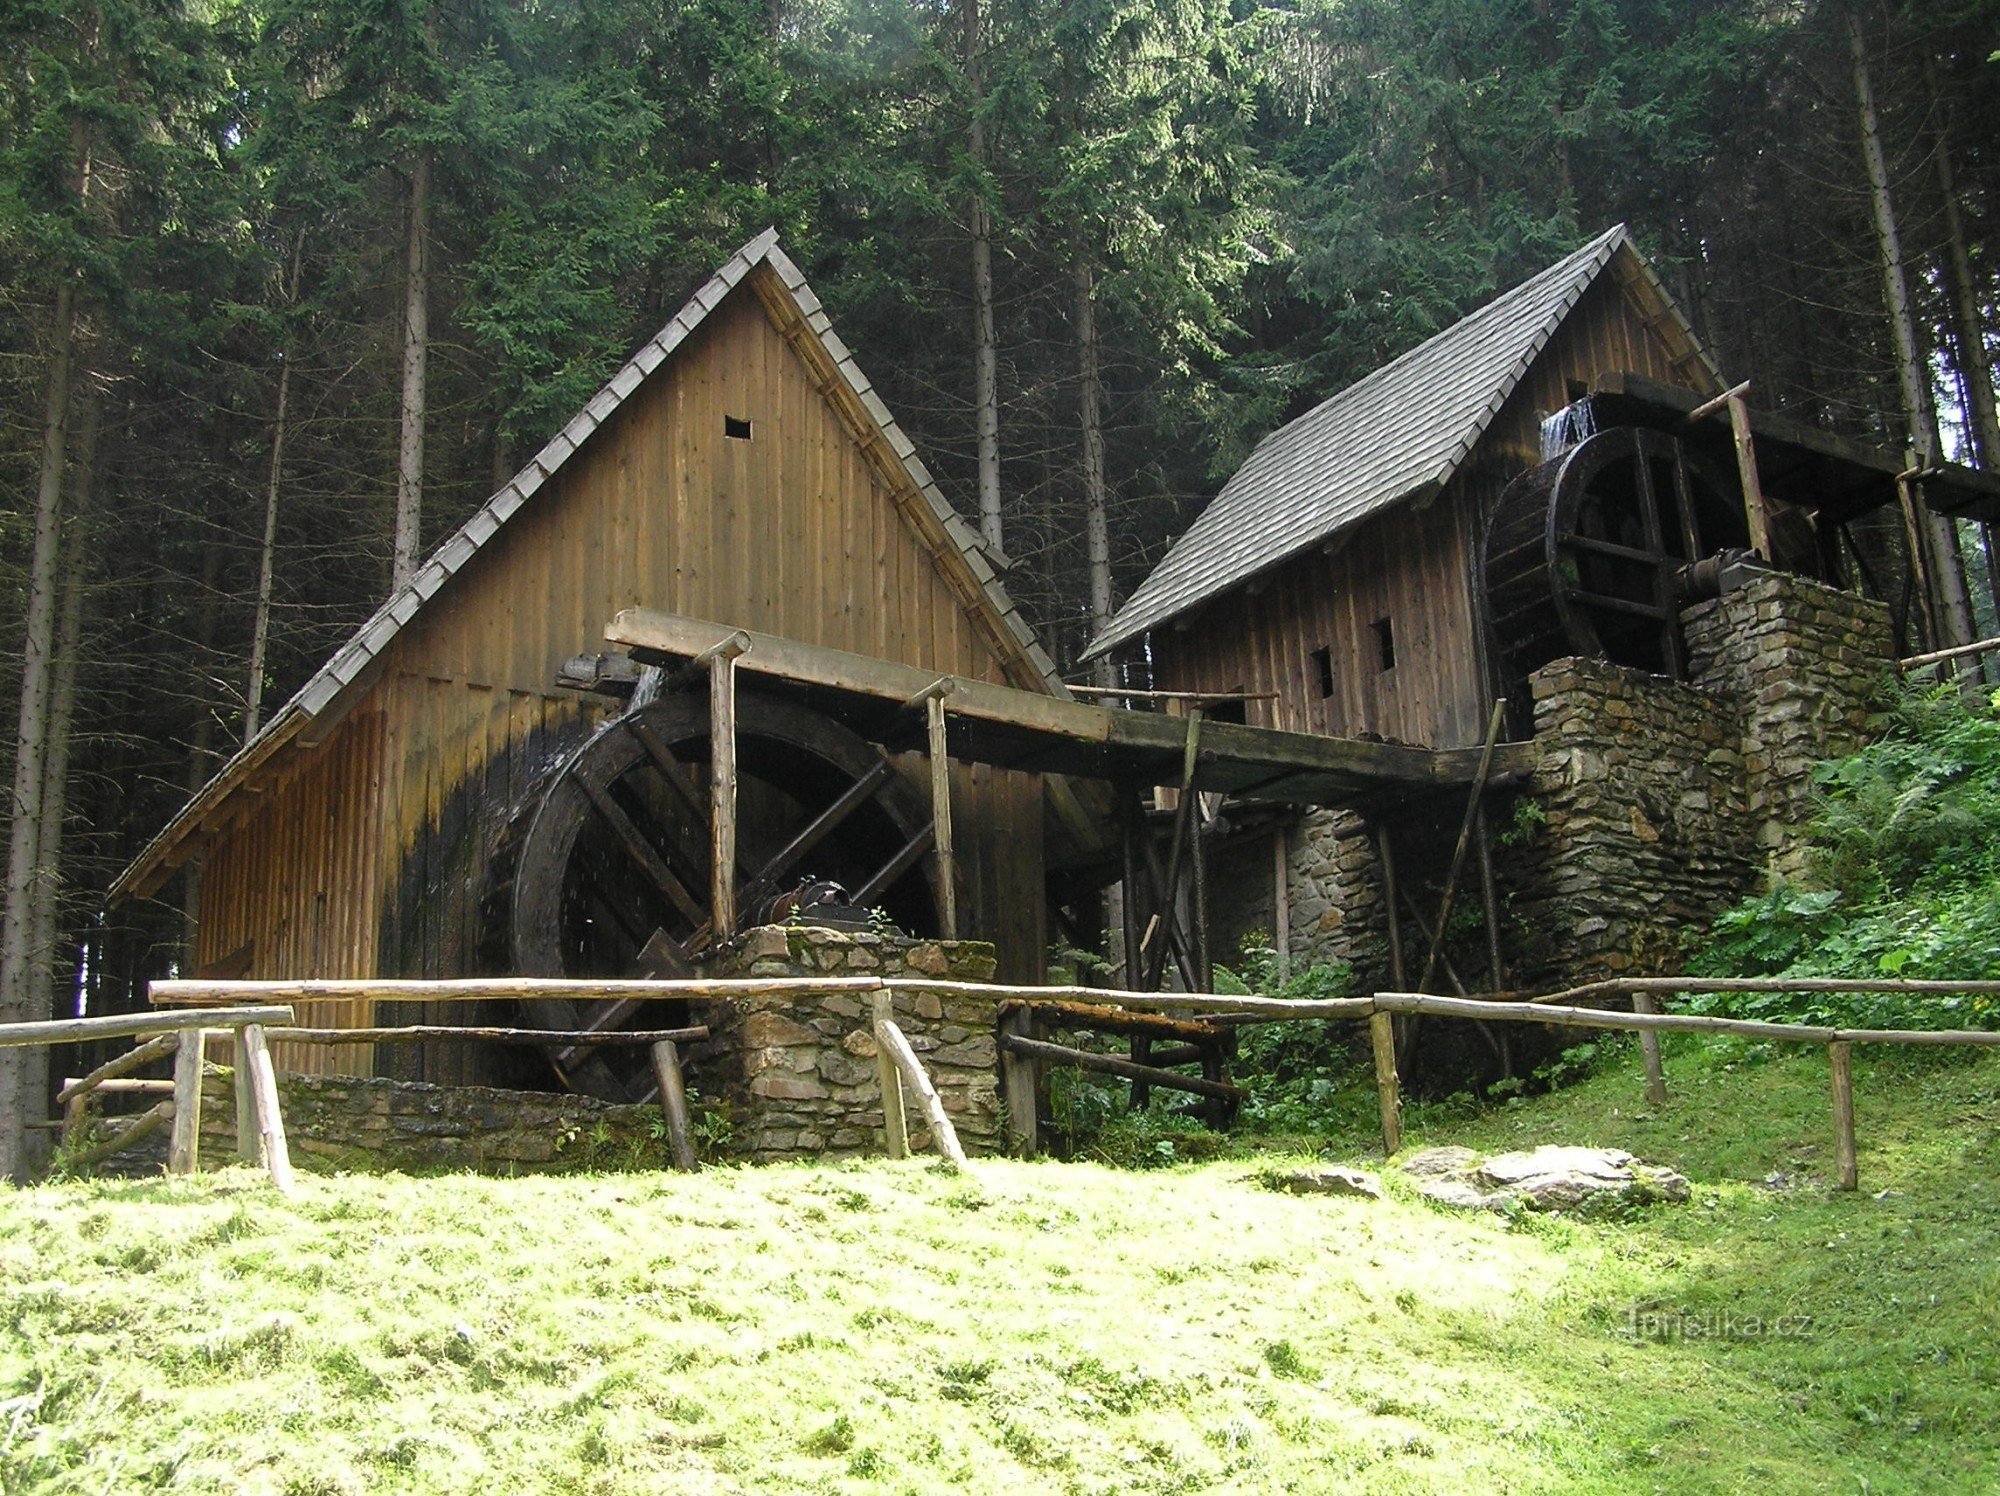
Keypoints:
pixel 1339 573
pixel 739 468
pixel 1559 474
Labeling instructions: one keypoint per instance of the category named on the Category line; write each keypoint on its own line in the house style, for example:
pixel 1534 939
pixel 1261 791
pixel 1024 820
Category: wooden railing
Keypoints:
pixel 1020 1056
pixel 260 1126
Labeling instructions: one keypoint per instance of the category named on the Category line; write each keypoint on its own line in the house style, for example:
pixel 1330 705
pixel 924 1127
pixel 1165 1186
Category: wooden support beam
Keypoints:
pixel 1489 901
pixel 249 1141
pixel 125 1137
pixel 1755 509
pixel 721 659
pixel 1156 958
pixel 1109 1064
pixel 890 1041
pixel 641 851
pixel 1392 898
pixel 1464 839
pixel 674 1104
pixel 184 1149
pixel 270 1121
pixel 1388 1088
pixel 895 1129
pixel 941 810
pixel 1204 965
pixel 124 1064
pixel 1281 902
pixel 896 866
pixel 1840 1060
pixel 426 1032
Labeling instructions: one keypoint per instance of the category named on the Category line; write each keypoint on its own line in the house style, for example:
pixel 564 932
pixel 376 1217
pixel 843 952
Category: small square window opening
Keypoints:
pixel 736 428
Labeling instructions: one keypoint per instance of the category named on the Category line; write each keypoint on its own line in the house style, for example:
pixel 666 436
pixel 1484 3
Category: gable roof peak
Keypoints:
pixel 1398 432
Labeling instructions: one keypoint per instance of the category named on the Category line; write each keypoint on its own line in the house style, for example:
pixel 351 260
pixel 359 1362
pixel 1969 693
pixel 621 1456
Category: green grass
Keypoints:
pixel 886 1327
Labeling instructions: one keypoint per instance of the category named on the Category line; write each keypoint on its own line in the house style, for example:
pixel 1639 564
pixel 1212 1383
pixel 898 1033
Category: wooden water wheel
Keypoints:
pixel 610 875
pixel 1585 554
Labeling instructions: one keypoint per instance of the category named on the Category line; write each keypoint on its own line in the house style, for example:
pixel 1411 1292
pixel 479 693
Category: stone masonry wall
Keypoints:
pixel 796 1074
pixel 1805 664
pixel 354 1122
pixel 1339 912
pixel 1644 830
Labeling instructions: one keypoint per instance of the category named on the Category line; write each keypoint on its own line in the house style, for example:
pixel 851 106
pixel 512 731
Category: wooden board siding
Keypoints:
pixel 289 890
pixel 1415 566
pixel 793 532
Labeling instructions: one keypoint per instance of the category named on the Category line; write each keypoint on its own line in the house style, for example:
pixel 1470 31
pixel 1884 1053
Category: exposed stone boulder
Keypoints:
pixel 1588 1181
pixel 1326 1179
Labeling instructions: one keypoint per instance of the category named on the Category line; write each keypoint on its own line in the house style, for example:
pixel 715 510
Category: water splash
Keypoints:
pixel 644 694
pixel 1568 427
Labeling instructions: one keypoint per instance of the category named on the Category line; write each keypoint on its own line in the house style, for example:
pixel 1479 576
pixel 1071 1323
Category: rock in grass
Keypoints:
pixel 1327 1179
pixel 1584 1180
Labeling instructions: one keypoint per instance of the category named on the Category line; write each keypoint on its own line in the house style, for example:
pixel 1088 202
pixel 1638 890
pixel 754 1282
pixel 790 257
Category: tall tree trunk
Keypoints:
pixel 416 358
pixel 985 349
pixel 260 628
pixel 1089 394
pixel 45 923
pixel 1955 610
pixel 24 1071
pixel 1975 368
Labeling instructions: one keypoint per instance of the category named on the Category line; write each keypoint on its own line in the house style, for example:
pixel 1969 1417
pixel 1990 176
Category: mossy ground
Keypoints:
pixel 1060 1327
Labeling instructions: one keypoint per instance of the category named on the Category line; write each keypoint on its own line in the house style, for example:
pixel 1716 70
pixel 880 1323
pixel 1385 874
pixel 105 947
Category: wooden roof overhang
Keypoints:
pixel 1010 728
pixel 1836 477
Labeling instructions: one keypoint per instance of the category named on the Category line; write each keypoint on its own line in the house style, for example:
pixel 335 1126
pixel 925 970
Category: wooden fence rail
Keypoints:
pixel 183 1035
pixel 1014 1006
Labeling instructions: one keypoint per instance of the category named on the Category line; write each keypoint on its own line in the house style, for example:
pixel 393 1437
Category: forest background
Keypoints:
pixel 287 287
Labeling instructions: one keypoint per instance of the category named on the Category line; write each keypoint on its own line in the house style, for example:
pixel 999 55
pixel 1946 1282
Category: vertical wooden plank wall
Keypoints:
pixel 372 859
pixel 1416 566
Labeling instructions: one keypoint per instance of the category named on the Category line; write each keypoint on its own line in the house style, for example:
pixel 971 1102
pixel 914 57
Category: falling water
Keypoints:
pixel 647 691
pixel 1566 428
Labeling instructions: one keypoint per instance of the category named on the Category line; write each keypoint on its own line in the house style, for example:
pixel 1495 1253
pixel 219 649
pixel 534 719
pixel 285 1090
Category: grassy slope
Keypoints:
pixel 1067 1327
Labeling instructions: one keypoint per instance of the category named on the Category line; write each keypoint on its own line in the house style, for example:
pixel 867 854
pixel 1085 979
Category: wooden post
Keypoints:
pixel 1840 1060
pixel 270 1121
pixel 1133 911
pixel 1281 904
pixel 1755 510
pixel 1489 900
pixel 1392 896
pixel 1920 568
pixel 1382 1037
pixel 674 1103
pixel 895 1131
pixel 1204 965
pixel 1142 1055
pixel 1649 1051
pixel 184 1150
pixel 1017 1084
pixel 1169 912
pixel 890 1041
pixel 941 813
pixel 722 784
pixel 249 1142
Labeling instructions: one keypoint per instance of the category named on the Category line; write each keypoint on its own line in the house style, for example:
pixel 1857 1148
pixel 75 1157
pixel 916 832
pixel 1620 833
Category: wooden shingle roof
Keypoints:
pixel 1398 434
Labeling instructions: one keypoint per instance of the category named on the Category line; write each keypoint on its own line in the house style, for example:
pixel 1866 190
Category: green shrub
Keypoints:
pixel 1903 880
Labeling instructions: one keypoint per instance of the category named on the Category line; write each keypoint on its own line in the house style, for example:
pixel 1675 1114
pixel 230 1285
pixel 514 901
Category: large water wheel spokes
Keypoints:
pixel 1585 554
pixel 613 876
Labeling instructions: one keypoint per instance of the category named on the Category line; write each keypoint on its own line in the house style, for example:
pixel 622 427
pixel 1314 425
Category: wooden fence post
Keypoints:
pixel 270 1121
pixel 941 842
pixel 1649 1051
pixel 895 1132
pixel 674 1103
pixel 184 1148
pixel 1840 1060
pixel 1017 1084
pixel 1382 1036
pixel 249 1141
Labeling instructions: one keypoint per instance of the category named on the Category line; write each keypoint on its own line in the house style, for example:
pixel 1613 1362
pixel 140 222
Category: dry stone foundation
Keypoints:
pixel 796 1073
